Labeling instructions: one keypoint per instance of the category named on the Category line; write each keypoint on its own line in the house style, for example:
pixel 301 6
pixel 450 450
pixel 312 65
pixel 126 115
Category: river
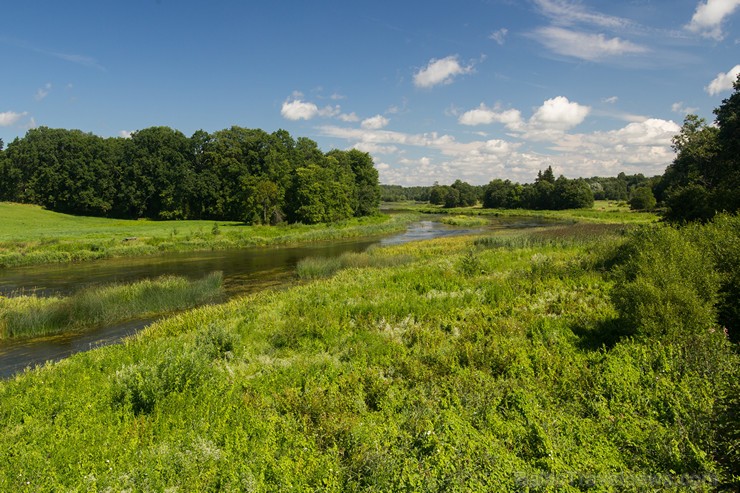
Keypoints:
pixel 244 271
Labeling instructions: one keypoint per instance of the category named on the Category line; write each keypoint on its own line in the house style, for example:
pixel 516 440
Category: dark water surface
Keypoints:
pixel 244 271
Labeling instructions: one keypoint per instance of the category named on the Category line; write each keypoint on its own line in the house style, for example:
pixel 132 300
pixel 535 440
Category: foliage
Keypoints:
pixel 235 174
pixel 546 193
pixel 412 377
pixel 704 178
pixel 665 286
pixel 642 199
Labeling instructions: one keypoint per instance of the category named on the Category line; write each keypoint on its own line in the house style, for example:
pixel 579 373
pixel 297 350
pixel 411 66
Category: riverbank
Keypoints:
pixel 30 235
pixel 482 363
pixel 33 316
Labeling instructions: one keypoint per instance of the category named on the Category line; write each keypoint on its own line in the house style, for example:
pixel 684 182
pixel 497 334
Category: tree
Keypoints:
pixel 366 196
pixel 642 199
pixel 704 178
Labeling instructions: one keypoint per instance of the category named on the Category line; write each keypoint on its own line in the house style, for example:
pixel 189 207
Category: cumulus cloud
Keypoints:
pixel 42 92
pixel 441 71
pixel 295 108
pixel 299 110
pixel 484 116
pixel 126 134
pixel 8 118
pixel 375 123
pixel 500 35
pixel 708 17
pixel 559 114
pixel 585 46
pixel 723 82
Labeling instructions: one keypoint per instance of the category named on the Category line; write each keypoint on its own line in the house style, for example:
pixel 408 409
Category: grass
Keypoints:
pixel 603 211
pixel 468 367
pixel 464 221
pixel 318 267
pixel 31 316
pixel 31 235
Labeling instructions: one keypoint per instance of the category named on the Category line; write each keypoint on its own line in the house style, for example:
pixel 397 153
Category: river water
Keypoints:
pixel 244 271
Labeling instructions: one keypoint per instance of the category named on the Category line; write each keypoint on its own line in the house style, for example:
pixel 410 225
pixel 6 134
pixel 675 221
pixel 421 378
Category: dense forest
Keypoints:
pixel 159 173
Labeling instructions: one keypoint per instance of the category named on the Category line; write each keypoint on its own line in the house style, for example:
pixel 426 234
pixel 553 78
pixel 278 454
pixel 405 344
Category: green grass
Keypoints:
pixel 31 316
pixel 488 367
pixel 464 221
pixel 31 235
pixel 603 211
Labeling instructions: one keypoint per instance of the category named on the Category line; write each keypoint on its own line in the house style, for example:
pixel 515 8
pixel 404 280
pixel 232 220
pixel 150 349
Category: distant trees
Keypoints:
pixel 545 193
pixel 159 173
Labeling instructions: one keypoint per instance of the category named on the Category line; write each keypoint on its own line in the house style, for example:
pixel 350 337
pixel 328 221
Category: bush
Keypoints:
pixel 642 199
pixel 665 286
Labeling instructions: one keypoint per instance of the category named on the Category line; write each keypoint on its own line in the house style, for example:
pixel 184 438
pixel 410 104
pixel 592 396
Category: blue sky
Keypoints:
pixel 434 90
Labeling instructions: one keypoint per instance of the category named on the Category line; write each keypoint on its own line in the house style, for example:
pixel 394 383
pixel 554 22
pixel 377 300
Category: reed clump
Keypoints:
pixel 33 316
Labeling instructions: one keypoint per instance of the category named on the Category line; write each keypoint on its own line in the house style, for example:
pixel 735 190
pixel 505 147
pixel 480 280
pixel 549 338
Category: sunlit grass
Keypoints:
pixel 31 235
pixel 31 316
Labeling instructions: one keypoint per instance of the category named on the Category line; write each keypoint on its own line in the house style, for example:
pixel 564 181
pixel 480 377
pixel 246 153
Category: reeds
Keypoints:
pixel 31 316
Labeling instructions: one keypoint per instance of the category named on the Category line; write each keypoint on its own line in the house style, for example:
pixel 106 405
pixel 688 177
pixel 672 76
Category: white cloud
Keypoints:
pixel 42 92
pixel 682 109
pixel 586 46
pixel 559 114
pixel 349 117
pixel 723 82
pixel 707 20
pixel 610 100
pixel 441 71
pixel 483 115
pixel 500 35
pixel 299 110
pixel 567 13
pixel 126 134
pixel 376 148
pixel 375 123
pixel 8 118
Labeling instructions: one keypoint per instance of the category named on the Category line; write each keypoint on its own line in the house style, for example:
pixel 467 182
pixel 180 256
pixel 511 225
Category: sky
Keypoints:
pixel 434 90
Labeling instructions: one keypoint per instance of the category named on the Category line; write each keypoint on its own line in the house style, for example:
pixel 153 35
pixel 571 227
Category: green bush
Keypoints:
pixel 142 385
pixel 665 286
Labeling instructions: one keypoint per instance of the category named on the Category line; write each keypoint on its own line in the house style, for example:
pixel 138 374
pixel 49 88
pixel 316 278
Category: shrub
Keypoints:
pixel 142 385
pixel 642 199
pixel 665 286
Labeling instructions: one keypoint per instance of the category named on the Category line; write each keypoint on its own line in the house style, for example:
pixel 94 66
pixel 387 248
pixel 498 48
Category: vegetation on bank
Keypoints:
pixel 506 362
pixel 31 235
pixel 603 211
pixel 32 316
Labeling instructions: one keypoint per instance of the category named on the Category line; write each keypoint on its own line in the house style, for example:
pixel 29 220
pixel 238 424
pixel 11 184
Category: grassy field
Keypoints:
pixel 32 316
pixel 31 235
pixel 603 211
pixel 489 363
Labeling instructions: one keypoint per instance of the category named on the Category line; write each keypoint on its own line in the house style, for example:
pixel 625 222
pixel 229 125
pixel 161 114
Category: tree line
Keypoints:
pixel 235 174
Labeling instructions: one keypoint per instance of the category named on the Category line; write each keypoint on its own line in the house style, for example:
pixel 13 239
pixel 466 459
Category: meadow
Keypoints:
pixel 498 362
pixel 31 235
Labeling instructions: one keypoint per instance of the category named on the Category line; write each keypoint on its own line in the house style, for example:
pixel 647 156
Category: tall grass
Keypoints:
pixel 31 316
pixel 318 267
